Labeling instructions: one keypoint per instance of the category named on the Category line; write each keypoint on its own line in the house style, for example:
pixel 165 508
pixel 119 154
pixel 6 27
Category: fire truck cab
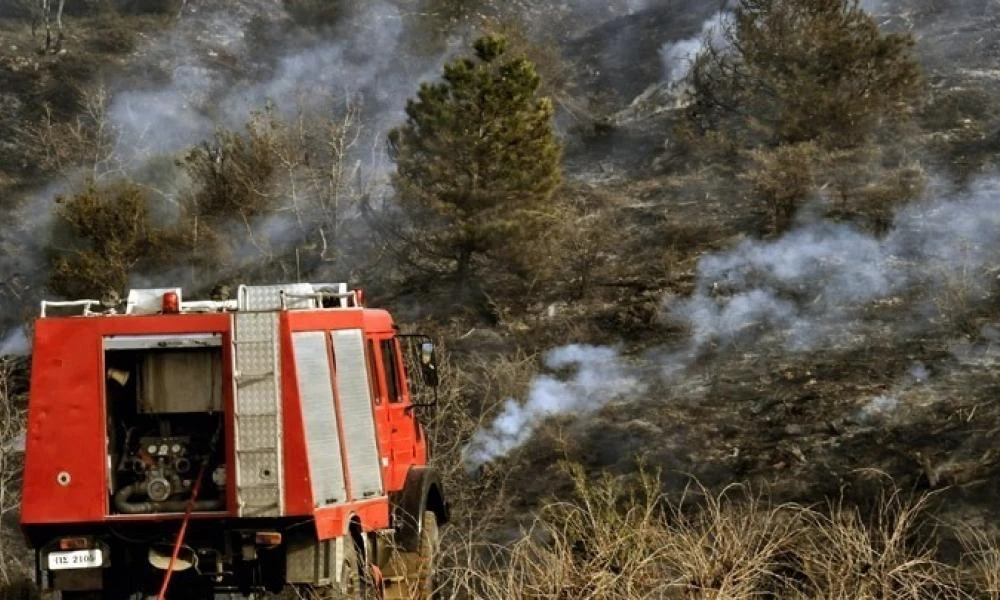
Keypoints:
pixel 248 444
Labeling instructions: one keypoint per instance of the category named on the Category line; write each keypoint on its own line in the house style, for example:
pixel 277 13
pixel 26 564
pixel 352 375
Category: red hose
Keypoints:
pixel 180 535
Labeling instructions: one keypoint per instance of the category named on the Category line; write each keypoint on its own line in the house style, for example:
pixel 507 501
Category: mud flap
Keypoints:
pixel 312 561
pixel 78 580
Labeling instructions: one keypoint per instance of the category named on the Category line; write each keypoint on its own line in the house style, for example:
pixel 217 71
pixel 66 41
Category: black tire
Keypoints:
pixel 351 582
pixel 430 539
pixel 413 573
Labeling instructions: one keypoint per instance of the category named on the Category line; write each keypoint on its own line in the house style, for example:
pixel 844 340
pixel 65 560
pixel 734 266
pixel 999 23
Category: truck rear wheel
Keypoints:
pixel 350 571
pixel 410 575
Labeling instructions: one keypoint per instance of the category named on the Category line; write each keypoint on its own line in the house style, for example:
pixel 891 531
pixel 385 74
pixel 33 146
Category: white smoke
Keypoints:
pixel 599 376
pixel 634 6
pixel 810 286
pixel 883 407
pixel 361 55
pixel 15 343
pixel 873 6
pixel 21 255
pixel 804 290
pixel 678 57
pixel 209 70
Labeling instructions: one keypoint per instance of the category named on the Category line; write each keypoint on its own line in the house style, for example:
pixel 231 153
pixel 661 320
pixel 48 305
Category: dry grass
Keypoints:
pixel 889 553
pixel 981 562
pixel 620 539
pixel 15 563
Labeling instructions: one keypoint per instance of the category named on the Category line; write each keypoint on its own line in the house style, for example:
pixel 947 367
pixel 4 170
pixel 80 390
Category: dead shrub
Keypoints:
pixel 889 553
pixel 102 235
pixel 981 559
pixel 16 565
pixel 51 143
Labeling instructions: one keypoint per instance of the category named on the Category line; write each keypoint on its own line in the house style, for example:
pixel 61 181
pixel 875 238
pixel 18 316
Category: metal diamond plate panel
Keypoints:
pixel 259 501
pixel 268 297
pixel 356 404
pixel 326 469
pixel 258 414
pixel 258 431
pixel 257 468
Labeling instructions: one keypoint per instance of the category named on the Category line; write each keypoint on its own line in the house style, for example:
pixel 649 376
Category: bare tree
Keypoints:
pixel 291 186
pixel 322 173
pixel 89 141
pixel 45 14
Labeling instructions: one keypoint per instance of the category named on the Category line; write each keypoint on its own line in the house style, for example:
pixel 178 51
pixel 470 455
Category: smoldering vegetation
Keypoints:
pixel 812 322
pixel 598 377
pixel 816 288
pixel 255 70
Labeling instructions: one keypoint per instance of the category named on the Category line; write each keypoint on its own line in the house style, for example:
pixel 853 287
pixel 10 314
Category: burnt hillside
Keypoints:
pixel 717 297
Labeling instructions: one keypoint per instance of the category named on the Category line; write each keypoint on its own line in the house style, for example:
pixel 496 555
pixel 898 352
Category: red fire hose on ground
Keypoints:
pixel 180 535
pixel 187 516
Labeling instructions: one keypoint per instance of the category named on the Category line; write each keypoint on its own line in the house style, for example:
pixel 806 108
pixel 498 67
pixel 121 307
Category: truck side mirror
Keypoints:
pixel 428 364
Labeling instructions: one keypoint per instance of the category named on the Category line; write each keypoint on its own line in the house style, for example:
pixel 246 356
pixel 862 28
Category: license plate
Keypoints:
pixel 75 559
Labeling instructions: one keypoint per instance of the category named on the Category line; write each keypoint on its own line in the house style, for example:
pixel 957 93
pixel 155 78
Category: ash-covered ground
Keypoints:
pixel 803 360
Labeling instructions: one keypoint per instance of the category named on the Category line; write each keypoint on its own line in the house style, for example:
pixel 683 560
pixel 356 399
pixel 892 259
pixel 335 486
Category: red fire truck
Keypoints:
pixel 182 449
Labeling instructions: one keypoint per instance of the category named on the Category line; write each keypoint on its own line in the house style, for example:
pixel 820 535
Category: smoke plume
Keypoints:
pixel 809 289
pixel 360 56
pixel 210 69
pixel 15 343
pixel 679 56
pixel 599 376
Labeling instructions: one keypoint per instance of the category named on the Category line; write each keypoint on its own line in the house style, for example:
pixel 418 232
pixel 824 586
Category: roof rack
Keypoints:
pixel 250 298
pixel 86 304
pixel 325 296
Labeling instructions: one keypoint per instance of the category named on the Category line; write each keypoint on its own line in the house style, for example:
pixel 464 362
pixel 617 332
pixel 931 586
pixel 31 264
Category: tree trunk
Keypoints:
pixel 59 28
pixel 34 19
pixel 48 25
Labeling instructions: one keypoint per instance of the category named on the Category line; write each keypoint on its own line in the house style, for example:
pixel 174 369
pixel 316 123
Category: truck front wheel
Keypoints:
pixel 410 575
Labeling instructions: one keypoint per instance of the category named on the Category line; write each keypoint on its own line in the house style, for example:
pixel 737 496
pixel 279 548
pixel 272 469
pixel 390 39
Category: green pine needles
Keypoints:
pixel 477 164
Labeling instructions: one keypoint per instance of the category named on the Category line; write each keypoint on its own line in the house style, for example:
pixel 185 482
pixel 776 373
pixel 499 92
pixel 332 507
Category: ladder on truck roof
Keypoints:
pixel 257 369
pixel 257 411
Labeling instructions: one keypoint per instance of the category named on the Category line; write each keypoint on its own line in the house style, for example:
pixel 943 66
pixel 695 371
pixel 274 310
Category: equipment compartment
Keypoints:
pixel 165 428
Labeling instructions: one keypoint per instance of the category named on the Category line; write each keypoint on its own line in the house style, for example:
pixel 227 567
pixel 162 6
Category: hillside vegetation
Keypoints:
pixel 715 286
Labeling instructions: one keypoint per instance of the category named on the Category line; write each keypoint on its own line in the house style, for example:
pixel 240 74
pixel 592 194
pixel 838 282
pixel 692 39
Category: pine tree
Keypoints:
pixel 477 163
pixel 796 91
pixel 794 71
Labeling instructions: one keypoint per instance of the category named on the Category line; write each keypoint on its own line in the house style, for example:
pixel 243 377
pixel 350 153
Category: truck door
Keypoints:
pixel 402 435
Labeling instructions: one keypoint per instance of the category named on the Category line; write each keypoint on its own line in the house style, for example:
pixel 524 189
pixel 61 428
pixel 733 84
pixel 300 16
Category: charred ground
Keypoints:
pixel 909 390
